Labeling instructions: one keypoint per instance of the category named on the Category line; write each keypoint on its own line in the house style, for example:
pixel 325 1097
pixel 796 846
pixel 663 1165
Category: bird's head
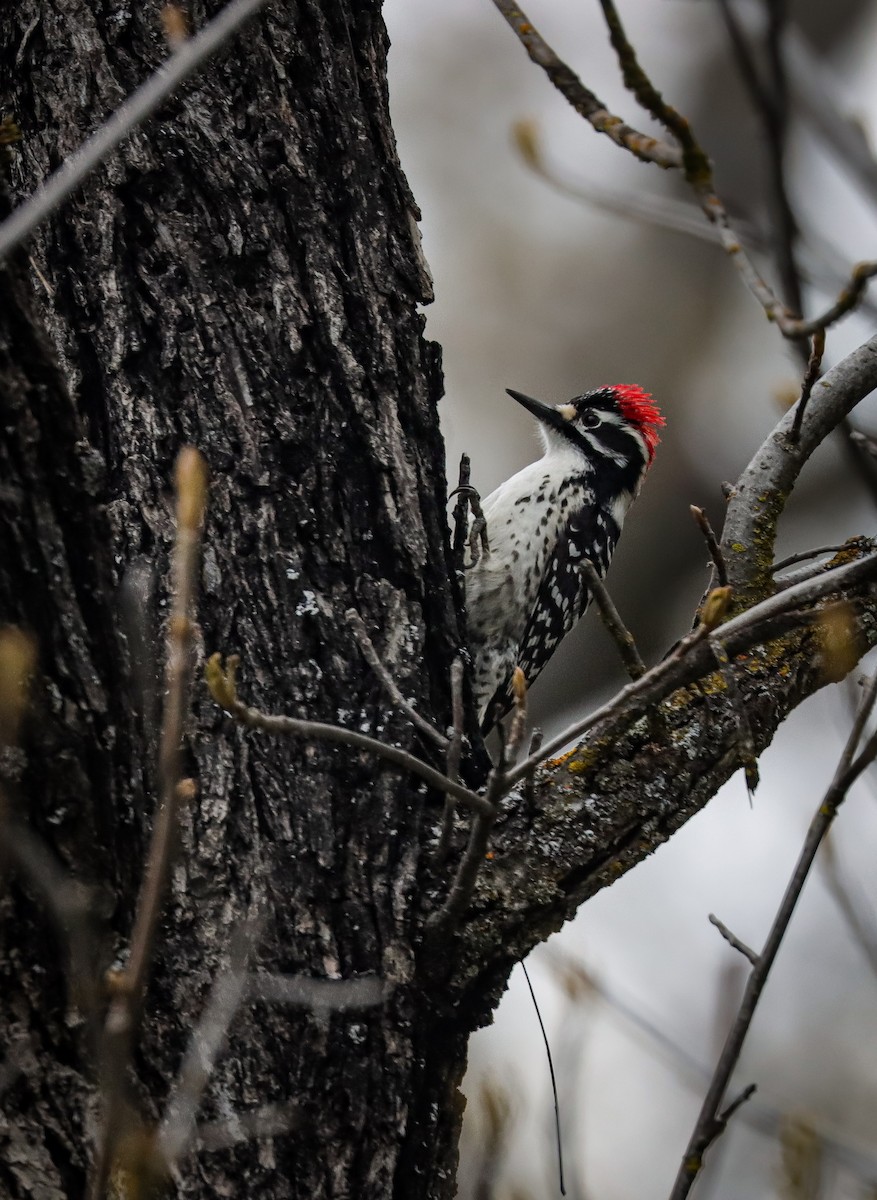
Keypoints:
pixel 619 423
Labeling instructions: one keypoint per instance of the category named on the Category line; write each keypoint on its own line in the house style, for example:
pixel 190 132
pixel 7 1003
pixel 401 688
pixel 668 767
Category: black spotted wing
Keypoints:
pixel 562 597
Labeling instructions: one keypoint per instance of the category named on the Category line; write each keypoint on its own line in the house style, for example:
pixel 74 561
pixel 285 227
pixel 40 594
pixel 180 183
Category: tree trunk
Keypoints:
pixel 244 276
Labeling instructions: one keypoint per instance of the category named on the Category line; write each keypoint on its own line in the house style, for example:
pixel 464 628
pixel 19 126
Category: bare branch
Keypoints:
pixel 191 489
pixel 532 753
pixel 557 1137
pixel 648 149
pixel 142 103
pixel 206 1044
pixel 698 172
pixel 68 902
pixel 373 659
pixel 761 492
pixel 323 995
pixel 853 543
pixel 498 785
pixel 816 95
pixel 861 929
pixel 125 1007
pixel 711 1122
pixel 619 632
pixel 694 160
pixel 221 683
pixel 738 1101
pixel 454 758
pixel 703 523
pixel 811 374
pixel 770 98
pixel 732 939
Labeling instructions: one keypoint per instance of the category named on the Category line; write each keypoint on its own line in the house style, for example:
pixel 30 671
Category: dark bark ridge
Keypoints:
pixel 54 582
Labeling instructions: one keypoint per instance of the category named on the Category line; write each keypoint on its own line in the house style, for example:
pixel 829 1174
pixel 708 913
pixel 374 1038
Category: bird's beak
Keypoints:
pixel 554 418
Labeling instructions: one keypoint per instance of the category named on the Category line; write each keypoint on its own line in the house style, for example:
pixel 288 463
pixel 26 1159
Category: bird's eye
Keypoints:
pixel 590 419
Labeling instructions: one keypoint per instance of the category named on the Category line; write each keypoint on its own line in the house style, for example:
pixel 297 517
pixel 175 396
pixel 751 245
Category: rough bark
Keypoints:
pixel 245 276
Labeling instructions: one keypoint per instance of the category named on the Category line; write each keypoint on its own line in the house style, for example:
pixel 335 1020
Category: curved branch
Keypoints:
pixel 222 684
pixel 589 106
pixel 762 490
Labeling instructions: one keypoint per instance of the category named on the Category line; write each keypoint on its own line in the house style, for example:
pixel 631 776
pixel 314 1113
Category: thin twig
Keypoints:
pixel 861 929
pixel 530 781
pixel 698 172
pixel 319 995
pixel 460 893
pixel 808 571
pixel 123 1016
pixel 852 547
pixel 775 117
pixel 646 148
pixel 454 758
pixel 694 160
pixel 142 103
pixel 703 523
pixel 558 1139
pixel 191 487
pixel 371 656
pixel 811 374
pixel 814 84
pixel 619 632
pixel 738 1101
pixel 766 1119
pixel 711 1121
pixel 69 904
pixel 689 156
pixel 733 940
pixel 744 57
pixel 177 1128
pixel 221 682
pixel 770 99
pixel 803 555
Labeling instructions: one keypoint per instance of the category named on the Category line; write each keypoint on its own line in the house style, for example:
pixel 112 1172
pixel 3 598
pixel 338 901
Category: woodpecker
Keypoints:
pixel 527 592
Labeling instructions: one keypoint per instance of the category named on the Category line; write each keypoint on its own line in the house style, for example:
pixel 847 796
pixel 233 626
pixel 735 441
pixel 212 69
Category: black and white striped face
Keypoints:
pixel 613 429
